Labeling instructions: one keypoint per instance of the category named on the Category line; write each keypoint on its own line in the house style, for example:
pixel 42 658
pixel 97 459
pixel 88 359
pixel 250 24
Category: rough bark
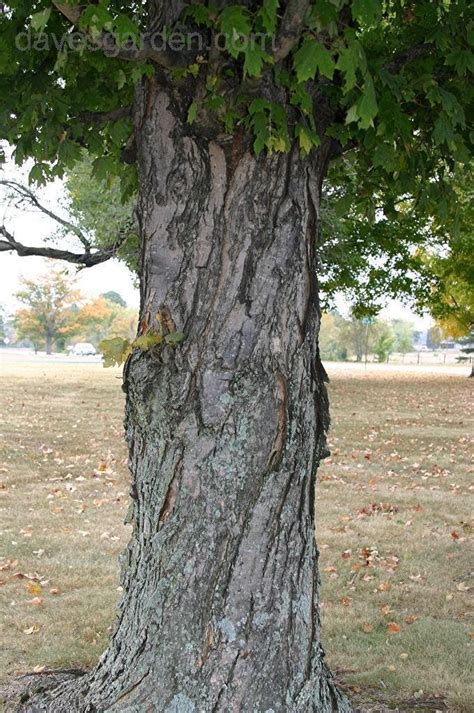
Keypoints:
pixel 220 604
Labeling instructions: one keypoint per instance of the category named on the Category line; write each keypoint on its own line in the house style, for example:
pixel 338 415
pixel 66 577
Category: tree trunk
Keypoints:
pixel 49 343
pixel 220 605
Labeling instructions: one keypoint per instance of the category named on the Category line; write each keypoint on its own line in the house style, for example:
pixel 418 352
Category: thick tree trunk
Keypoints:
pixel 220 604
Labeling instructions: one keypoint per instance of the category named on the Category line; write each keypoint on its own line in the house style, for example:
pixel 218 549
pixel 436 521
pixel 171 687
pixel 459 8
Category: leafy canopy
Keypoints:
pixel 389 77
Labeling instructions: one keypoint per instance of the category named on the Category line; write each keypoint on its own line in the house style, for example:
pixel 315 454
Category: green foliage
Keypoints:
pixel 112 296
pixel 382 87
pixel 383 346
pixel 386 82
pixel 115 351
pixel 311 58
pixel 95 202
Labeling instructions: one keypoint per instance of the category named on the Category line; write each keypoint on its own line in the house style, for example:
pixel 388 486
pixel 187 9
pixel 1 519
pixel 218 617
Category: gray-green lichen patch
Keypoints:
pixel 181 704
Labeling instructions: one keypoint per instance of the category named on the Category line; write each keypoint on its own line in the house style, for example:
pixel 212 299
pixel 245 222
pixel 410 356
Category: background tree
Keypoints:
pixel 434 337
pixel 113 296
pixel 48 314
pixel 384 341
pixel 103 318
pixel 331 345
pixel 232 142
pixel 3 319
pixel 467 347
pixel 404 334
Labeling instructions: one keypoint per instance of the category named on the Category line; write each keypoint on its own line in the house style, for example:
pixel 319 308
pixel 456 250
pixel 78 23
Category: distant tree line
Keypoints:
pixel 356 338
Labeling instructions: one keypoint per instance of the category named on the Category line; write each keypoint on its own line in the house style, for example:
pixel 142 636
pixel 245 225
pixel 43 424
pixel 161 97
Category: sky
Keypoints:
pixel 31 227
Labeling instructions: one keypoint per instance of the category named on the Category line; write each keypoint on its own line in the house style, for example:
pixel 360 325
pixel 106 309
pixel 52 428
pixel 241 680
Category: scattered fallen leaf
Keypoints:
pixel 393 627
pixel 34 588
pixel 346 601
pixel 37 601
pixel 32 630
pixel 367 628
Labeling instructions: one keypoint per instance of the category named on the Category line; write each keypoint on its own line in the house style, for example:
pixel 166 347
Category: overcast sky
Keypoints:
pixel 31 227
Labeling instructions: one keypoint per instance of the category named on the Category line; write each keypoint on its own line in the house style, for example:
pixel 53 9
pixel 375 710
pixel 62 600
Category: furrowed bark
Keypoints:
pixel 220 604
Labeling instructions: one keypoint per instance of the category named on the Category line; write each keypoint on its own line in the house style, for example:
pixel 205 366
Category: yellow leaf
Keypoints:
pixel 34 588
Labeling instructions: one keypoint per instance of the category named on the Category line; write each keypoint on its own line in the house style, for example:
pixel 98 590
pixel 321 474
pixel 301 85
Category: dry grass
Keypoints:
pixel 64 492
pixel 397 440
pixel 394 535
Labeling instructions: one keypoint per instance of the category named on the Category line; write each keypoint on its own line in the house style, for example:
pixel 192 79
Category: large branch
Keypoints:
pixel 102 117
pixel 291 27
pixel 86 259
pixel 409 55
pixel 28 196
pixel 166 57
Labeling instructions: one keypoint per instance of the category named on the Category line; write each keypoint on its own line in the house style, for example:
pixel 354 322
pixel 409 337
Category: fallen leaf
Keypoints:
pixel 32 630
pixel 37 601
pixel 8 564
pixel 393 627
pixel 455 535
pixel 367 628
pixel 346 601
pixel 462 587
pixel 34 588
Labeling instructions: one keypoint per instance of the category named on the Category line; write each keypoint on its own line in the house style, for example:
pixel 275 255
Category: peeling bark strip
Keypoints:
pixel 220 605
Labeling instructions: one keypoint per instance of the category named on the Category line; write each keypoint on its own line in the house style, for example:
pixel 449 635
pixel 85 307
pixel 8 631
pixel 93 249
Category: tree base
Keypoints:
pixel 67 691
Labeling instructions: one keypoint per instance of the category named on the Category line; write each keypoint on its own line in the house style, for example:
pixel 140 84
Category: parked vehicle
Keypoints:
pixel 83 349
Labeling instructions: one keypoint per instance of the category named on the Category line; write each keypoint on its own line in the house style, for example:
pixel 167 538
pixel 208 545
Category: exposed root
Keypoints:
pixel 60 691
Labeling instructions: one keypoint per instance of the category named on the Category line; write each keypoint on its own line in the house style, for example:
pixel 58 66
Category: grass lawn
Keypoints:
pixel 392 518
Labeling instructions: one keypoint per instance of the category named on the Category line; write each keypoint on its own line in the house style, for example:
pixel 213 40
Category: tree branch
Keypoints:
pixel 102 117
pixel 27 195
pixel 86 259
pixel 403 58
pixel 291 26
pixel 166 57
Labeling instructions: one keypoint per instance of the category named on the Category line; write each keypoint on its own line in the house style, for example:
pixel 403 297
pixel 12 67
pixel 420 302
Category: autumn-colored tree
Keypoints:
pixel 50 309
pixel 103 318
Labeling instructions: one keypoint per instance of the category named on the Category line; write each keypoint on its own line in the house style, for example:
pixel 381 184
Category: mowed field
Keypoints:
pixel 393 508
